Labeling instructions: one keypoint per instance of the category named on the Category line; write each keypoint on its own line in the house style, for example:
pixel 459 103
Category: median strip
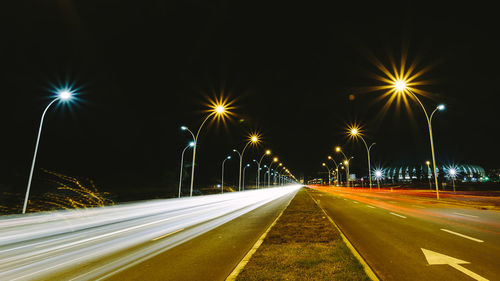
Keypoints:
pixel 303 245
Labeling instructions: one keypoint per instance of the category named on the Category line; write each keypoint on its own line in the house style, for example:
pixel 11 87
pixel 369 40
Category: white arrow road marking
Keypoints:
pixel 434 258
pixel 462 235
pixel 460 214
pixel 397 215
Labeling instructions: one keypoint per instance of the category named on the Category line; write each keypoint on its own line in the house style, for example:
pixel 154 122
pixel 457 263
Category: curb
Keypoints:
pixel 369 272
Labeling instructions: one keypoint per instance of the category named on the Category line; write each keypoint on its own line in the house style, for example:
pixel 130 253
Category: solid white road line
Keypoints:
pixel 168 234
pixel 355 202
pixel 397 215
pixel 462 235
pixel 369 206
pixel 460 214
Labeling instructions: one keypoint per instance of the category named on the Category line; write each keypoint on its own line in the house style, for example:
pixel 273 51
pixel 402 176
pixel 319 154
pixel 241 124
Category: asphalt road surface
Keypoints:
pixel 413 239
pixel 199 238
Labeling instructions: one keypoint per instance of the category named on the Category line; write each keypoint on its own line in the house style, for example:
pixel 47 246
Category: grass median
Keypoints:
pixel 303 245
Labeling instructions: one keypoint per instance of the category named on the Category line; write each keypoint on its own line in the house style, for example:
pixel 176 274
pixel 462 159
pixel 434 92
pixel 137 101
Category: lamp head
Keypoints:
pixel 248 165
pixel 64 94
pixel 428 163
pixel 400 85
pixel 268 152
pixel 337 148
pixel 354 131
pixel 191 144
pixel 323 164
pixel 378 173
pixel 441 107
pixel 275 159
pixel 229 157
pixel 183 128
pixel 219 109
pixel 452 172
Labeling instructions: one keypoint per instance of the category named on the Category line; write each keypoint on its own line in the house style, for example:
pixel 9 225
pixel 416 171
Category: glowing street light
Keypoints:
pixel 61 95
pixel 378 176
pixel 354 132
pixel 191 144
pixel 253 139
pixel 429 174
pixel 346 163
pixel 268 152
pixel 329 172
pixel 336 169
pixel 222 178
pixel 275 160
pixel 453 173
pixel 401 88
pixel 219 109
pixel 243 183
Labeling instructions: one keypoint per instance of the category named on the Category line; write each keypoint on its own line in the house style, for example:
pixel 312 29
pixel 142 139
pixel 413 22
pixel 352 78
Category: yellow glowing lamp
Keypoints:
pixel 275 159
pixel 337 148
pixel 323 164
pixel 400 85
pixel 354 131
pixel 254 139
pixel 268 152
pixel 329 157
pixel 346 162
pixel 220 109
pixel 427 162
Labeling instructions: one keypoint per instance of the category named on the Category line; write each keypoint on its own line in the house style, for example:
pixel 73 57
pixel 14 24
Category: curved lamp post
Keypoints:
pixel 268 152
pixel 346 163
pixel 253 139
pixel 401 88
pixel 219 110
pixel 222 178
pixel 243 181
pixel 329 172
pixel 62 96
pixel 356 133
pixel 275 160
pixel 191 144
pixel 336 169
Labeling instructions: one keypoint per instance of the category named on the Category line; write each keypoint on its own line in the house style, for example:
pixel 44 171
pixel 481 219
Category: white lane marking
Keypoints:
pixel 462 235
pixel 460 214
pixel 369 206
pixel 355 202
pixel 418 206
pixel 434 258
pixel 168 234
pixel 397 215
pixel 345 199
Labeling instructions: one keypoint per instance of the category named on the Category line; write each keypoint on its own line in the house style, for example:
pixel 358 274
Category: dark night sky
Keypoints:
pixel 146 66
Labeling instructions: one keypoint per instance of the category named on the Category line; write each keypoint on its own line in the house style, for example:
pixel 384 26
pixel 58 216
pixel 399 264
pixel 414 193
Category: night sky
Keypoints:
pixel 144 68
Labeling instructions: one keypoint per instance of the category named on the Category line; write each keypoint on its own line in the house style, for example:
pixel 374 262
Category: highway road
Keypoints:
pixel 413 239
pixel 199 238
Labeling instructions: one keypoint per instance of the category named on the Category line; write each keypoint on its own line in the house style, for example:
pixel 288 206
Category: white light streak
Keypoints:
pixel 39 245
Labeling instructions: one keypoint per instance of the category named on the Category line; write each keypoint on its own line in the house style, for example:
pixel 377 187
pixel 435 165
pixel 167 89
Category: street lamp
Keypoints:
pixel 329 179
pixel 355 132
pixel 222 178
pixel 378 176
pixel 429 172
pixel 218 110
pixel 246 166
pixel 453 173
pixel 338 149
pixel 252 139
pixel 62 95
pixel 336 169
pixel 191 144
pixel 275 160
pixel 401 88
pixel 268 152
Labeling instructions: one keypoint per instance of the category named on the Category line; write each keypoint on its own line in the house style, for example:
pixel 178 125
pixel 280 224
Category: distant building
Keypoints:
pixel 464 172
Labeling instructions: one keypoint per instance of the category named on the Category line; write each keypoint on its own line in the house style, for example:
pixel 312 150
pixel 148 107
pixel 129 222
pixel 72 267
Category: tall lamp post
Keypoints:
pixel 355 132
pixel 253 139
pixel 268 152
pixel 401 88
pixel 338 149
pixel 329 179
pixel 218 111
pixel 453 174
pixel 61 96
pixel 378 176
pixel 336 169
pixel 429 174
pixel 222 178
pixel 243 182
pixel 191 144
pixel 275 160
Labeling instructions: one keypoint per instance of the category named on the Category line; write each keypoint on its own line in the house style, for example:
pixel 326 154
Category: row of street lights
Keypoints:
pixel 399 87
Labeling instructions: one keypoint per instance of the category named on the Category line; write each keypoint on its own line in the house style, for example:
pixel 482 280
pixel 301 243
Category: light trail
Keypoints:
pixel 75 243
